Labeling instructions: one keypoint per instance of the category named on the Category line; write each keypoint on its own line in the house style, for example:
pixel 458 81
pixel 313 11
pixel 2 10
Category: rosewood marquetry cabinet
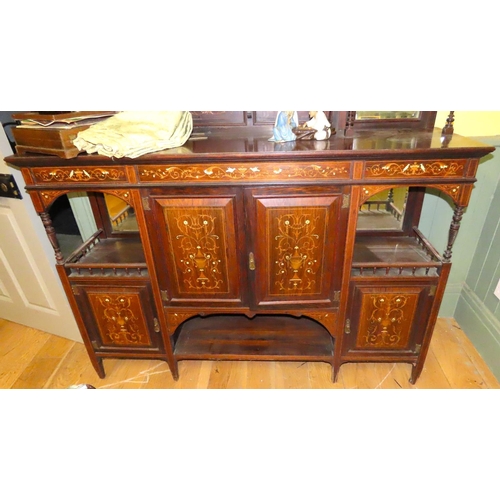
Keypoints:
pixel 233 247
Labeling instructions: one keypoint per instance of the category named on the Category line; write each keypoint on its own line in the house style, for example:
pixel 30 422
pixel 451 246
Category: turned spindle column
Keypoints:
pixel 51 233
pixel 454 227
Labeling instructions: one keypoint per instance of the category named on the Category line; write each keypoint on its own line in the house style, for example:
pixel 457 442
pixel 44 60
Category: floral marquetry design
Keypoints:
pixel 198 241
pixel 386 320
pixel 447 168
pixel 88 174
pixel 200 250
pixel 296 249
pixel 243 173
pixel 120 319
pixel 297 245
pixel 200 247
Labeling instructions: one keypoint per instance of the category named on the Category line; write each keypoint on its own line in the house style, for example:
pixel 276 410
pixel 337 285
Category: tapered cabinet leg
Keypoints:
pixel 174 369
pixel 98 366
pixel 415 372
pixel 335 373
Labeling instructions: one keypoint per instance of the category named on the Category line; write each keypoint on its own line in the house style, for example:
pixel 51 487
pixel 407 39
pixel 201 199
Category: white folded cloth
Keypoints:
pixel 135 133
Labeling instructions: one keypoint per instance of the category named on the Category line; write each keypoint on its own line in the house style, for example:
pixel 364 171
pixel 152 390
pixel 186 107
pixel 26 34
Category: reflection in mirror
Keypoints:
pixel 384 211
pixel 387 115
pixel 65 225
pixel 121 215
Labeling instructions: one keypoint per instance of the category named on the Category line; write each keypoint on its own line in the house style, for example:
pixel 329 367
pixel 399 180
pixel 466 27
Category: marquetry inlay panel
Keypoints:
pixel 296 250
pixel 242 172
pixel 386 319
pixel 120 319
pixel 76 175
pixel 406 169
pixel 201 242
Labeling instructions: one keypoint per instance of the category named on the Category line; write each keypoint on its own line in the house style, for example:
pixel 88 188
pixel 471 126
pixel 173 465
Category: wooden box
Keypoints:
pixel 52 133
pixel 51 141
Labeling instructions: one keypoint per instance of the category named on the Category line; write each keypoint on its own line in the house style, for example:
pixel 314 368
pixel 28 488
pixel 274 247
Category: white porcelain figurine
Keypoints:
pixel 285 122
pixel 320 123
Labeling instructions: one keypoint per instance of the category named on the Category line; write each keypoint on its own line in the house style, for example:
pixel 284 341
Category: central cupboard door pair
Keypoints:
pixel 246 247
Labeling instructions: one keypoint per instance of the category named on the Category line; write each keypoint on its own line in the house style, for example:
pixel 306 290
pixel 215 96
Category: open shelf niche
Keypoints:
pixel 237 337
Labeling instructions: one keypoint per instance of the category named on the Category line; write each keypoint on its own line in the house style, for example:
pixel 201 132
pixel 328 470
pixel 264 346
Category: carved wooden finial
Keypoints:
pixel 448 128
pixel 351 116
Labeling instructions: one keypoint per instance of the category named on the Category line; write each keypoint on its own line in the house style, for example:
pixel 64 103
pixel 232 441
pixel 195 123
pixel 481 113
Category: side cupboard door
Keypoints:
pixel 298 239
pixel 198 236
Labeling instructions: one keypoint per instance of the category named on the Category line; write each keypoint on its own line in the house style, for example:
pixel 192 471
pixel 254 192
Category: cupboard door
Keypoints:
pixel 387 318
pixel 119 317
pixel 198 249
pixel 298 242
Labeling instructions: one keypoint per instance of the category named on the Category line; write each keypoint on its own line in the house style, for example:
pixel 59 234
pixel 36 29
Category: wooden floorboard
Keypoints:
pixel 30 359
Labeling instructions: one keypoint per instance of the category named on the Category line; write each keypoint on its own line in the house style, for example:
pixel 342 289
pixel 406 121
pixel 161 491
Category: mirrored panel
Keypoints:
pixel 77 216
pixel 121 215
pixel 387 115
pixel 66 225
pixel 384 211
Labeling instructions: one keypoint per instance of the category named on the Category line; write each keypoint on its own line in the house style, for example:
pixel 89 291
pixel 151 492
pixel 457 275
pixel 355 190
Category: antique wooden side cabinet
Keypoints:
pixel 233 247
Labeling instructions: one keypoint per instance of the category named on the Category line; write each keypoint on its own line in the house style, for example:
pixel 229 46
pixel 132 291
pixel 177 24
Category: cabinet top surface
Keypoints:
pixel 254 145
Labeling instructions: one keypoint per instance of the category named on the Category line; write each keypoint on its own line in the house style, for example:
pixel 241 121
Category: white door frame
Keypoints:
pixel 31 293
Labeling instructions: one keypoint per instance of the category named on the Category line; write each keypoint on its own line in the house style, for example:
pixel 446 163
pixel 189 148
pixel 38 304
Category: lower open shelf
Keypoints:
pixel 266 337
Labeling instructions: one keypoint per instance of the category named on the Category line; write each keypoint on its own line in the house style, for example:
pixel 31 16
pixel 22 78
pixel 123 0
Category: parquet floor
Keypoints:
pixel 30 359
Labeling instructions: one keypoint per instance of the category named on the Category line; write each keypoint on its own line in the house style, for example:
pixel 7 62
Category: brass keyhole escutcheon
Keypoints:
pixel 251 262
pixel 4 187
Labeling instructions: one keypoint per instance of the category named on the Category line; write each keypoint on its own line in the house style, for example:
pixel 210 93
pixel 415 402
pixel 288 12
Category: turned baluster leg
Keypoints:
pixel 51 234
pixel 454 227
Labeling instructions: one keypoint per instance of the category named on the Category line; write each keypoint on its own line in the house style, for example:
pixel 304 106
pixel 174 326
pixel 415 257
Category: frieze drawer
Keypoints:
pixel 415 168
pixel 77 175
pixel 238 172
